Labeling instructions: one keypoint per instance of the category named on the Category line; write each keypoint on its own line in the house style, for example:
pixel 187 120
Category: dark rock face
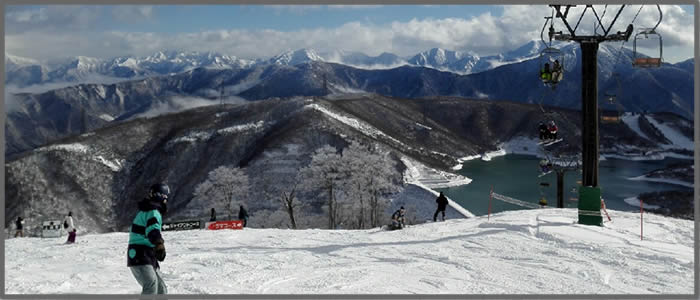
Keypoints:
pixel 677 204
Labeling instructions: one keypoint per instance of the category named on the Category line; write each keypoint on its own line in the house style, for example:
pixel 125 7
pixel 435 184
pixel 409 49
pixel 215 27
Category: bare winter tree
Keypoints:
pixel 225 186
pixel 325 173
pixel 371 177
pixel 289 204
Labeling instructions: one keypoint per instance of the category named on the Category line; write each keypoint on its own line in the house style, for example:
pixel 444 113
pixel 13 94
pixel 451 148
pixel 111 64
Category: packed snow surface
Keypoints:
pixel 363 127
pixel 241 128
pixel 634 201
pixel 76 147
pixel 541 251
pixel 678 140
pixel 632 121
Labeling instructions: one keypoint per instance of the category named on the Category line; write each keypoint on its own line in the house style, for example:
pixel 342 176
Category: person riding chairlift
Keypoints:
pixel 545 166
pixel 543 131
pixel 557 74
pixel 552 128
pixel 546 74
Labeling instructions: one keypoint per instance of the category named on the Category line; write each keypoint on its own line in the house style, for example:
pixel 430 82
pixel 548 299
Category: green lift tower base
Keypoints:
pixel 589 206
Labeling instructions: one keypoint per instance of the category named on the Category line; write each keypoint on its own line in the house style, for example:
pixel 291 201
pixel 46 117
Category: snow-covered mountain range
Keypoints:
pixel 22 72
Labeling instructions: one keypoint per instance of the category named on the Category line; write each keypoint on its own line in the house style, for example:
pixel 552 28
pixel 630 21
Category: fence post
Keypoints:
pixel 490 197
pixel 641 219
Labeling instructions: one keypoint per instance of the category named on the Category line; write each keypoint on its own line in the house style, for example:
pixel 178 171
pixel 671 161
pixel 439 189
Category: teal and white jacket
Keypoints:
pixel 145 235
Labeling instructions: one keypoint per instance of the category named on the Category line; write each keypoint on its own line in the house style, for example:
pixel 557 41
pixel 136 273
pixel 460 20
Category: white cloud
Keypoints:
pixel 132 13
pixel 54 18
pixel 484 34
pixel 179 103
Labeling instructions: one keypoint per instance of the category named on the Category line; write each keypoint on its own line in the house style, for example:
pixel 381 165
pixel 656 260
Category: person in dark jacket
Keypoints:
pixel 544 132
pixel 398 219
pixel 442 205
pixel 20 228
pixel 213 215
pixel 146 245
pixel 243 215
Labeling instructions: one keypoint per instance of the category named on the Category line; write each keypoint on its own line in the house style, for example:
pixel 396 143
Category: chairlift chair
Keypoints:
pixel 549 57
pixel 647 62
pixel 646 34
pixel 611 99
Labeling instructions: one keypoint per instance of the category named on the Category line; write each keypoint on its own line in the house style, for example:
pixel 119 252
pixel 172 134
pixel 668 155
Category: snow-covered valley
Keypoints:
pixel 539 251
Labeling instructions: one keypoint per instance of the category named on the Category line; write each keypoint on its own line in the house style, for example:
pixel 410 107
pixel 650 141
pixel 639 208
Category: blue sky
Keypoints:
pixel 257 31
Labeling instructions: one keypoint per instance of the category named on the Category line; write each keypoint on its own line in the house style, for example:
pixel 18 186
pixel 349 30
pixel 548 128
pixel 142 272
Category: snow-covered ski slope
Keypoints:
pixel 540 251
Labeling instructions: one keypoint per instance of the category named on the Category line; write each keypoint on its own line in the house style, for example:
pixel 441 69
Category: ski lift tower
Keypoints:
pixel 589 193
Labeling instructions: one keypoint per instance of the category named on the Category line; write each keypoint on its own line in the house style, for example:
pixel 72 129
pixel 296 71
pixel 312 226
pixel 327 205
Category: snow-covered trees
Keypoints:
pixel 324 173
pixel 226 186
pixel 371 176
pixel 355 183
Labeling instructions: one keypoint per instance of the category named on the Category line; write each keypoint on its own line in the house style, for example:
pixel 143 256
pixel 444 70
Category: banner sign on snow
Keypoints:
pixel 182 225
pixel 52 229
pixel 235 224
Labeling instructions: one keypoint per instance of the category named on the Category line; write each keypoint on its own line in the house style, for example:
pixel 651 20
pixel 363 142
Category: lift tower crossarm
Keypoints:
pixel 600 38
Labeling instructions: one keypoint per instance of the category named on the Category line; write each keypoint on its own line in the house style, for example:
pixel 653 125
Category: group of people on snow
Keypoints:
pixel 548 131
pixel 146 247
pixel 68 226
pixel 398 218
pixel 242 215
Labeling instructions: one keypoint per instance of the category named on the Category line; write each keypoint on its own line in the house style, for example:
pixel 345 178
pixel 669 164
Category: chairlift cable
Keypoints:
pixel 619 52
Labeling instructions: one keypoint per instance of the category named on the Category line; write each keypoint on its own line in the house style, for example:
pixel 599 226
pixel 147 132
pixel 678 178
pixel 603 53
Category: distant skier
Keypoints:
pixel 71 236
pixel 442 205
pixel 398 219
pixel 243 215
pixel 213 215
pixel 146 245
pixel 68 225
pixel 20 227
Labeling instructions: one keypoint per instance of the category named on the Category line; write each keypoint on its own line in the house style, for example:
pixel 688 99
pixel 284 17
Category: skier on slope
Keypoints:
pixel 20 227
pixel 442 205
pixel 213 215
pixel 398 219
pixel 71 236
pixel 146 245
pixel 243 215
pixel 69 226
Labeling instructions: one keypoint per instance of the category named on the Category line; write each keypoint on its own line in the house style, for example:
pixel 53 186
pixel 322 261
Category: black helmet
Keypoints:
pixel 159 191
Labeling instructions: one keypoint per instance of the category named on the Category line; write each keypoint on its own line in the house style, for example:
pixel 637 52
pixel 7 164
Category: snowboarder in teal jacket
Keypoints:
pixel 146 245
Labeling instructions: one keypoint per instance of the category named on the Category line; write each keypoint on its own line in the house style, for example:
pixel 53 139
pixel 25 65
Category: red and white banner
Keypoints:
pixel 235 224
